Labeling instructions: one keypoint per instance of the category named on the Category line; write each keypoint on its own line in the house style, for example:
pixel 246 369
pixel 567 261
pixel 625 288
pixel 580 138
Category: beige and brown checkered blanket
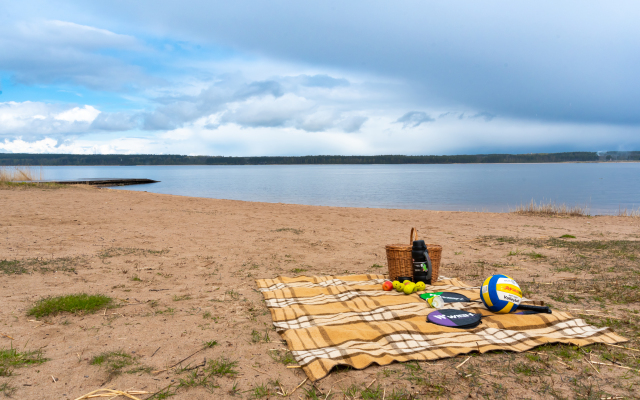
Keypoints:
pixel 350 320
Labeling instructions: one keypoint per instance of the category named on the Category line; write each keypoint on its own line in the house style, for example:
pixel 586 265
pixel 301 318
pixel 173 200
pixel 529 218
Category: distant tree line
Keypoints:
pixel 619 156
pixel 7 159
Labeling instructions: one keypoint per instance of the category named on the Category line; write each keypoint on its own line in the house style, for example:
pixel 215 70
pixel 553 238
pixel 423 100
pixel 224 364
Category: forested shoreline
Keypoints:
pixel 7 159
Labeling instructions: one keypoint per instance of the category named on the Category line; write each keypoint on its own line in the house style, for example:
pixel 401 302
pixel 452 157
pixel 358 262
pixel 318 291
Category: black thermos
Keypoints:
pixel 421 262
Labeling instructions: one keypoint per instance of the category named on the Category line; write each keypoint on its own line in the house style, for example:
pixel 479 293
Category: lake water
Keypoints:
pixel 603 187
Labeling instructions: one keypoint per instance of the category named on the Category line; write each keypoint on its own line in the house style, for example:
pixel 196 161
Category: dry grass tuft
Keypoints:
pixel 551 209
pixel 19 174
pixel 629 213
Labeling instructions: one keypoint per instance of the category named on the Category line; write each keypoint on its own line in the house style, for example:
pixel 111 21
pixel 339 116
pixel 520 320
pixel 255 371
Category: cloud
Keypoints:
pixel 257 89
pixel 59 52
pixel 353 124
pixel 71 35
pixel 281 101
pixel 54 146
pixel 544 61
pixel 331 74
pixel 174 111
pixel 379 135
pixel 245 104
pixel 322 81
pixel 35 119
pixel 414 118
pixel 81 114
pixel 267 111
pixel 117 121
pixel 487 116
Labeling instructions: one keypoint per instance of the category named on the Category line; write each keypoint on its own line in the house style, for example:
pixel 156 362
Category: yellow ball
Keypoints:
pixel 420 286
pixel 408 288
pixel 406 281
pixel 398 286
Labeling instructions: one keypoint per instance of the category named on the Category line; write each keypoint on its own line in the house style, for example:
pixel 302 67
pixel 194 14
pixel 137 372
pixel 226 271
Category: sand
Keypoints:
pixel 170 260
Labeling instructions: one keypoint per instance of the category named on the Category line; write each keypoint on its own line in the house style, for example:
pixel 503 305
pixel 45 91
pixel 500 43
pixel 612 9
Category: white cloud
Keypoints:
pixel 267 111
pixel 53 146
pixel 34 120
pixel 380 134
pixel 84 114
pixel 72 35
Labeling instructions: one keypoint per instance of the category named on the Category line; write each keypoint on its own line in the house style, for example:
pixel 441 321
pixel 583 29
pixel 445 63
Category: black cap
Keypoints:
pixel 419 244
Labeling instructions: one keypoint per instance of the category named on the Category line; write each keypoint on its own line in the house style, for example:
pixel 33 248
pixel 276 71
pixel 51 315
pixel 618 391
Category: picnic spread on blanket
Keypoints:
pixel 359 320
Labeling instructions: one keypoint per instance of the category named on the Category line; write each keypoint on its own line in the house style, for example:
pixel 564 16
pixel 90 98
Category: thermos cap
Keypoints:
pixel 419 244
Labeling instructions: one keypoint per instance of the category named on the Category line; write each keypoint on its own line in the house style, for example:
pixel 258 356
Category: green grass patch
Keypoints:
pixel 204 378
pixel 7 390
pixel 372 393
pixel 292 230
pixel 12 267
pixel 181 298
pixel 400 394
pixel 312 394
pixel 168 311
pixel 568 236
pixel 282 356
pixel 351 391
pixel 163 394
pixel 43 265
pixel 31 185
pixel 298 270
pixel 626 249
pixel 194 379
pixel 567 352
pixel 126 251
pixel 233 294
pixel 261 391
pixel 257 336
pixel 527 369
pixel 74 303
pixel 12 358
pixel 113 361
pixel 222 367
pixel 533 357
pixel 569 299
pixel 564 268
pixel 535 256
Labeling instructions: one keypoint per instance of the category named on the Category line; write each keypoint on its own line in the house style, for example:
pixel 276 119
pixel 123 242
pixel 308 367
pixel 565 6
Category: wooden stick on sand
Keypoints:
pixel 297 387
pixel 462 363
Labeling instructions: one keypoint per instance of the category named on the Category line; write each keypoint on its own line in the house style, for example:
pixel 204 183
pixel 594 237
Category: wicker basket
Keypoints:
pixel 401 263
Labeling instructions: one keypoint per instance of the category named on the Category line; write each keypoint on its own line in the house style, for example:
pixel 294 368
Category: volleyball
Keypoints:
pixel 500 294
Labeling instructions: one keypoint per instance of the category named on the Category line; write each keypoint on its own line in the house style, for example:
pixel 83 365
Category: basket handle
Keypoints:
pixel 413 236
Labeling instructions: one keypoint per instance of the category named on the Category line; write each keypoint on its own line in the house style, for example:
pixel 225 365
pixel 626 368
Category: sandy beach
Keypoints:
pixel 182 272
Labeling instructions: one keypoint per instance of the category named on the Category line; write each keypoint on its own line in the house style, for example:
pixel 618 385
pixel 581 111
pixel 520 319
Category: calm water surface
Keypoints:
pixel 604 188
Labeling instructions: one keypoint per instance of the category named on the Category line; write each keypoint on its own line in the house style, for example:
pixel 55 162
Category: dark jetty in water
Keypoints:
pixel 105 182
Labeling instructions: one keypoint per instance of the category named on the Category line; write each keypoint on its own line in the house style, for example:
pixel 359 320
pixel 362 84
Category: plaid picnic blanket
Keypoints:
pixel 349 320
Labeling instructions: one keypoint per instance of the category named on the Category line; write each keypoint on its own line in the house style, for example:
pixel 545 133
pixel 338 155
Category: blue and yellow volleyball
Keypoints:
pixel 500 294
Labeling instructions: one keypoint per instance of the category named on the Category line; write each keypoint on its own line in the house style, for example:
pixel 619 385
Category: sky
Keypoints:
pixel 283 77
